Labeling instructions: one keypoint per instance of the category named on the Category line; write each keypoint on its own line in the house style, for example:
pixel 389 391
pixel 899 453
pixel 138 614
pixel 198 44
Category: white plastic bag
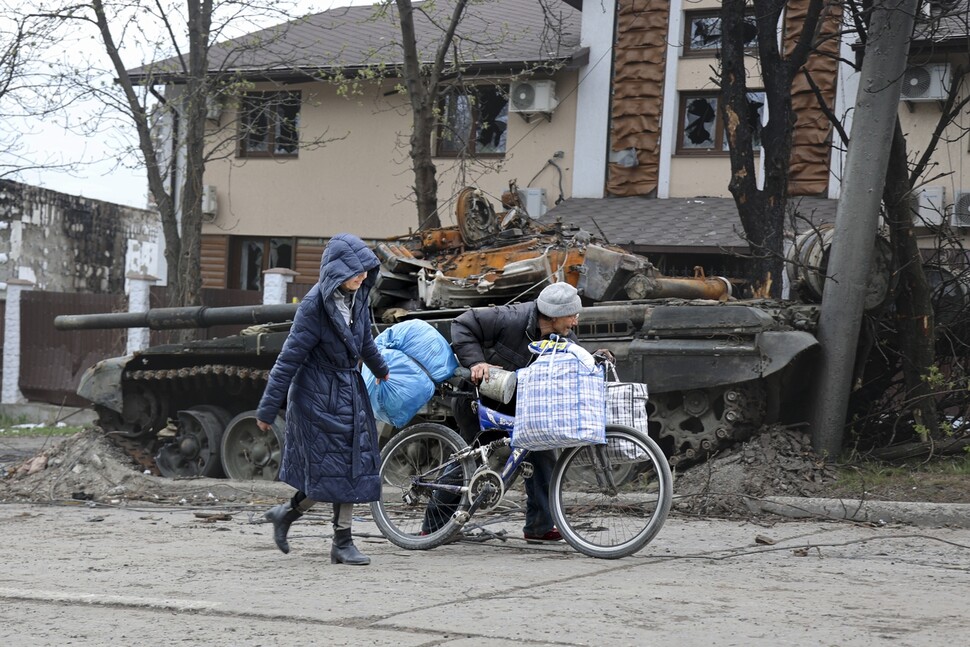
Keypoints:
pixel 561 399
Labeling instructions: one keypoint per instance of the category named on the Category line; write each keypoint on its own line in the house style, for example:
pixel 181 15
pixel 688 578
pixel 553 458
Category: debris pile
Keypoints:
pixel 778 461
pixel 88 467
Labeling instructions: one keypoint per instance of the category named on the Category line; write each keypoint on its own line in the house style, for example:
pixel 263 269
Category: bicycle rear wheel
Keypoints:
pixel 411 512
pixel 610 500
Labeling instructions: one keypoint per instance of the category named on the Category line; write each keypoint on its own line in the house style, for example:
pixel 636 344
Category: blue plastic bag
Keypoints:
pixel 418 358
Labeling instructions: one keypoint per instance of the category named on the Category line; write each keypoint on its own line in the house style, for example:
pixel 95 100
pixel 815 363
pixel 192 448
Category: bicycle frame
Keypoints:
pixel 492 420
pixel 434 482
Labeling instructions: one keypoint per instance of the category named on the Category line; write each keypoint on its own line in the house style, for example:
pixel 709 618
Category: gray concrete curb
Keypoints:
pixel 954 515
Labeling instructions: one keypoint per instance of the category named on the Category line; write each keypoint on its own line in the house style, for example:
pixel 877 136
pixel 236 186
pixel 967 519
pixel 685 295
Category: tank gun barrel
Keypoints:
pixel 184 317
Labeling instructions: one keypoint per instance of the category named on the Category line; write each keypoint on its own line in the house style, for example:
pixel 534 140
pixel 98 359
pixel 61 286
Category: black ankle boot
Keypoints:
pixel 344 551
pixel 282 516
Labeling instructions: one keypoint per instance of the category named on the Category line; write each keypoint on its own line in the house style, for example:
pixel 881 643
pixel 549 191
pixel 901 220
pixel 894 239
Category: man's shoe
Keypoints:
pixel 552 535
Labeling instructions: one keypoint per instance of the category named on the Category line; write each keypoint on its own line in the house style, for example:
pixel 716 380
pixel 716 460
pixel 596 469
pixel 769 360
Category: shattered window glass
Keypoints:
pixel 703 32
pixel 700 123
pixel 250 257
pixel 269 124
pixel 703 128
pixel 474 121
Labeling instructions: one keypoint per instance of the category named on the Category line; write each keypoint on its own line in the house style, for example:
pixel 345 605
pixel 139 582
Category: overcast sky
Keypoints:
pixel 100 176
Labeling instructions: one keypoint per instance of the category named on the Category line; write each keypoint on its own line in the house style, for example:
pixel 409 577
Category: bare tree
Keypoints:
pixel 188 58
pixel 910 319
pixel 762 211
pixel 27 90
pixel 422 82
pixel 440 46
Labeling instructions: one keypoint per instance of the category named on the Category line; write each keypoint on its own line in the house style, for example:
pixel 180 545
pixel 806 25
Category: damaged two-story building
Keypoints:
pixel 606 114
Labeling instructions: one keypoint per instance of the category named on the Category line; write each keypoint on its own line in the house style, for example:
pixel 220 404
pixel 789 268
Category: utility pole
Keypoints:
pixel 857 217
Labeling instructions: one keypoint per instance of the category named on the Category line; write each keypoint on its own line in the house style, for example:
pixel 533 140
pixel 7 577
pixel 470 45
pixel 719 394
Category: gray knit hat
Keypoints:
pixel 559 300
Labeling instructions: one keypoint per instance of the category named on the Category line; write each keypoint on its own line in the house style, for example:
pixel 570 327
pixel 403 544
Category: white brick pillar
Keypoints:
pixel 11 343
pixel 274 285
pixel 139 293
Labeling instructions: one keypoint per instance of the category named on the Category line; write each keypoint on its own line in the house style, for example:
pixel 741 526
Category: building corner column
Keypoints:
pixel 275 282
pixel 12 343
pixel 139 300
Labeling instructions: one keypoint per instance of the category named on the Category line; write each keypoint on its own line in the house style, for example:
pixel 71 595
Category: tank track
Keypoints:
pixel 161 393
pixel 691 425
pixel 203 371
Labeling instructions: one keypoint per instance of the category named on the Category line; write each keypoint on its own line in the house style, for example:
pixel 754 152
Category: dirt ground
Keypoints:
pixel 776 462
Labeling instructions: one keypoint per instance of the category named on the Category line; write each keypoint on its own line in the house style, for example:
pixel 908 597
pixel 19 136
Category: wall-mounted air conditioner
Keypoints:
pixel 534 201
pixel 533 96
pixel 961 210
pixel 932 202
pixel 210 204
pixel 925 82
pixel 213 108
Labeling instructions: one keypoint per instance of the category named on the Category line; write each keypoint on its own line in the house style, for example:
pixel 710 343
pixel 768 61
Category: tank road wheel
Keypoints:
pixel 249 454
pixel 195 449
pixel 691 424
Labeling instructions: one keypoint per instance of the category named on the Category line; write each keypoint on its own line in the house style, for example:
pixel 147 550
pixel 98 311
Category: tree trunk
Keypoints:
pixel 761 211
pixel 422 93
pixel 189 278
pixel 915 326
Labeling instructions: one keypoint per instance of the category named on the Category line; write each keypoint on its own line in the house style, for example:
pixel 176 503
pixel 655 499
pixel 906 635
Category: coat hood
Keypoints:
pixel 345 257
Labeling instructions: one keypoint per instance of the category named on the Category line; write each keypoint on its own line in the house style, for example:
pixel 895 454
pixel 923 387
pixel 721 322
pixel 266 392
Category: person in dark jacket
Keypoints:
pixel 500 337
pixel 330 452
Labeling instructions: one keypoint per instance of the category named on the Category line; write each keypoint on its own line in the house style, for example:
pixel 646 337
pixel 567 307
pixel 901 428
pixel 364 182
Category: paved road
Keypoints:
pixel 129 575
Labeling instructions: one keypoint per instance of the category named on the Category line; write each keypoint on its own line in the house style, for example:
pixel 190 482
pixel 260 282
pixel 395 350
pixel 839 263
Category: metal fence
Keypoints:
pixel 52 361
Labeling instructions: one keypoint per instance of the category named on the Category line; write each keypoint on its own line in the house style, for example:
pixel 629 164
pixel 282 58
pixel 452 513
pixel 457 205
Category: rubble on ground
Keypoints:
pixel 88 467
pixel 777 461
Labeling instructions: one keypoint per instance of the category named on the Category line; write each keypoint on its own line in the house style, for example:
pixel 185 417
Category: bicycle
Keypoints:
pixel 608 501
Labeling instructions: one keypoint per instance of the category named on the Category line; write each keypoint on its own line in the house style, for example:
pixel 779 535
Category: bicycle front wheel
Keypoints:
pixel 422 486
pixel 610 500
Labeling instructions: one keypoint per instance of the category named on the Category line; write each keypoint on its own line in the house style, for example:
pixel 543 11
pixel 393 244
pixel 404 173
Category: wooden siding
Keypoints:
pixel 638 78
pixel 812 136
pixel 214 261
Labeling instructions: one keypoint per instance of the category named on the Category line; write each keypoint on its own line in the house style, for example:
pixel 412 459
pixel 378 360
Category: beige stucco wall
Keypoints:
pixel 702 175
pixel 918 120
pixel 360 180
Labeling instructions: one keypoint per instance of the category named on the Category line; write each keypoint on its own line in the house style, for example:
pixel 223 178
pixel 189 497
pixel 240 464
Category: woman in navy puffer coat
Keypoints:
pixel 331 451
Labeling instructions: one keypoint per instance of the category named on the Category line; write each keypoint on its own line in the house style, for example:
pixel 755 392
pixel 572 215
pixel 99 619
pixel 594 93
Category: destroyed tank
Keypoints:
pixel 716 367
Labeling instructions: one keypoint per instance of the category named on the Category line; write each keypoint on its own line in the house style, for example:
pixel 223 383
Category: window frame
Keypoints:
pixel 272 102
pixel 720 147
pixel 475 128
pixel 691 16
pixel 236 256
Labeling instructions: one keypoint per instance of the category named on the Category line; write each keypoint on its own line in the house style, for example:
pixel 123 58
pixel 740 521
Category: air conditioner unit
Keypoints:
pixel 534 201
pixel 533 96
pixel 925 82
pixel 961 210
pixel 213 108
pixel 932 201
pixel 210 204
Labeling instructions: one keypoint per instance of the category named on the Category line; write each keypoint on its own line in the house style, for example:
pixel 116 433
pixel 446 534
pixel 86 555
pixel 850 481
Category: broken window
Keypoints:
pixel 269 124
pixel 703 33
pixel 702 129
pixel 474 121
pixel 250 257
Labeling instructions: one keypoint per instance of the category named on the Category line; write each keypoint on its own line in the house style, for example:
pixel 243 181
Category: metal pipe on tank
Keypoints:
pixel 645 287
pixel 185 317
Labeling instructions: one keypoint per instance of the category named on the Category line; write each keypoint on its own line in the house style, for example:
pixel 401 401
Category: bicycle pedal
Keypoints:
pixel 527 470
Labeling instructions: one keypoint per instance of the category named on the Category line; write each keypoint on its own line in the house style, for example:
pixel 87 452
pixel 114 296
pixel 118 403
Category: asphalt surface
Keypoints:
pixel 127 575
pixel 803 572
